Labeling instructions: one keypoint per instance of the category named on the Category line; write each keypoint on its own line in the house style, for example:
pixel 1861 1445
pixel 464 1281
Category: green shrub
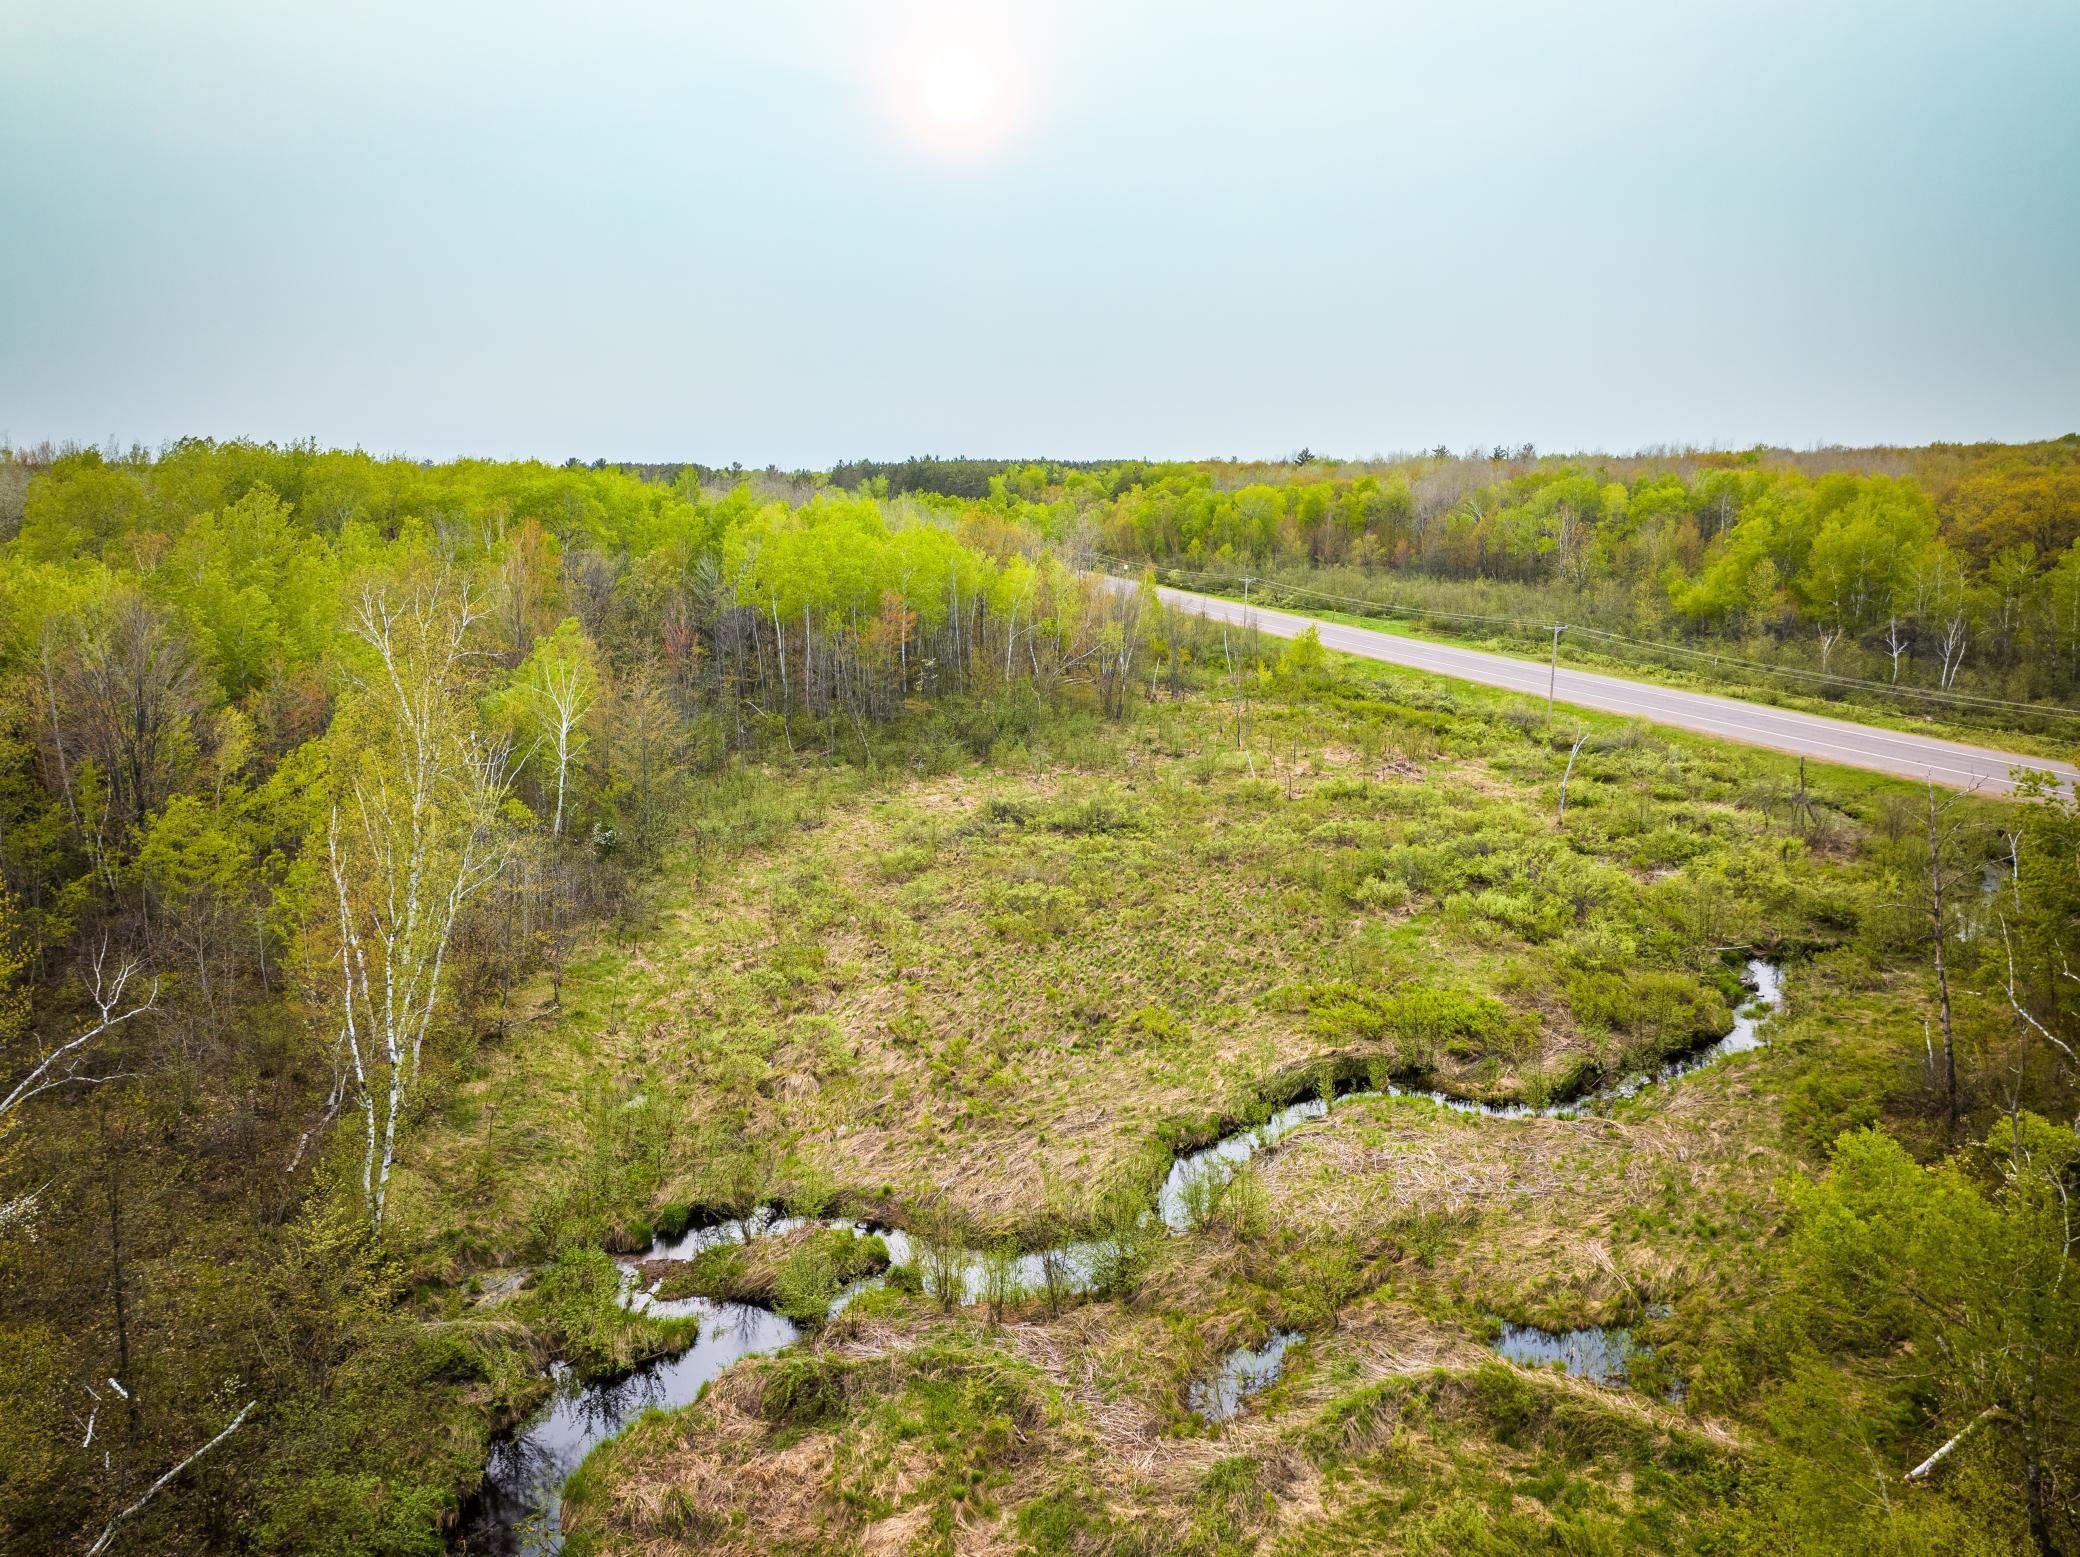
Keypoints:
pixel 446 1356
pixel 809 1278
pixel 899 865
pixel 1668 1009
pixel 576 1298
pixel 806 1281
pixel 343 1513
pixel 1053 1523
pixel 1380 894
pixel 1351 1423
pixel 1507 1400
pixel 1094 816
pixel 1420 1022
pixel 906 1279
pixel 1157 1023
pixel 802 1389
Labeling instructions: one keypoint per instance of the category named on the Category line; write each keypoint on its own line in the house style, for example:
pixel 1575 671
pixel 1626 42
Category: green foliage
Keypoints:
pixel 803 1388
pixel 1771 557
pixel 1422 1024
pixel 753 680
pixel 36 1371
pixel 1304 662
pixel 1059 1522
pixel 331 1512
pixel 547 707
pixel 1670 1010
pixel 1962 1277
pixel 814 1271
pixel 1098 814
pixel 1507 1400
pixel 576 1299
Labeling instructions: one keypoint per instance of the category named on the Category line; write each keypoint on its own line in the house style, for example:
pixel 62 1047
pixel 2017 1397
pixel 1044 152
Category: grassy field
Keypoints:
pixel 993 996
pixel 1393 1234
pixel 1013 987
pixel 941 1437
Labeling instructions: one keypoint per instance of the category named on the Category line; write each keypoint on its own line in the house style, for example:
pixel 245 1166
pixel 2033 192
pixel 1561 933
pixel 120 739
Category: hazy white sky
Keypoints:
pixel 801 230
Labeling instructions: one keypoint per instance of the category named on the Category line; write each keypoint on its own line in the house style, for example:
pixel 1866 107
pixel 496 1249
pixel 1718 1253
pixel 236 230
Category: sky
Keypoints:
pixel 799 231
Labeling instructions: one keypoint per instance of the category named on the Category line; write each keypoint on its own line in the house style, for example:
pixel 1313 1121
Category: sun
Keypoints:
pixel 956 96
pixel 957 88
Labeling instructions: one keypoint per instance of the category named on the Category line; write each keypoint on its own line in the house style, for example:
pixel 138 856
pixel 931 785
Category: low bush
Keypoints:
pixel 1420 1022
pixel 1668 1009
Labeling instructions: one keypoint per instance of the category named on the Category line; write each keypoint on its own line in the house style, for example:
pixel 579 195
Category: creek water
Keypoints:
pixel 1767 980
pixel 961 1274
pixel 1242 1373
pixel 1596 1353
pixel 518 1511
pixel 1194 1176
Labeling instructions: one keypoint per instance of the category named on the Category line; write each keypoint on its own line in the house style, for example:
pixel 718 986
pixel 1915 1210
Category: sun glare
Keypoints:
pixel 956 88
pixel 956 97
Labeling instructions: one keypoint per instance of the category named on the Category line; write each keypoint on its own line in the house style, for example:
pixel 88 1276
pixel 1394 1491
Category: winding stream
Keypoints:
pixel 520 1507
pixel 1193 1176
pixel 518 1512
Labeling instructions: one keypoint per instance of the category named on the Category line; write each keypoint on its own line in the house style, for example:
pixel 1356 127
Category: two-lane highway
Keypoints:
pixel 1920 757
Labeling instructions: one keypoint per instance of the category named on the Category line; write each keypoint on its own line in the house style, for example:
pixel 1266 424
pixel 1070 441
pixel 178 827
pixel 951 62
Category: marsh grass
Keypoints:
pixel 987 998
pixel 947 985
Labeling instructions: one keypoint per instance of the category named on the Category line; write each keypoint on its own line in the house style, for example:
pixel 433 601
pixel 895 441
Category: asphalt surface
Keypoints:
pixel 1918 757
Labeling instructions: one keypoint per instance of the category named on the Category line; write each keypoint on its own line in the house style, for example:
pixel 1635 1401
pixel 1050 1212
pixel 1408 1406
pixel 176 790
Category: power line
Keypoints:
pixel 1941 694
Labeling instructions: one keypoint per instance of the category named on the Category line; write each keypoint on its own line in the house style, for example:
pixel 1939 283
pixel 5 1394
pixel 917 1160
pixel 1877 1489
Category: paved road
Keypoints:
pixel 1917 757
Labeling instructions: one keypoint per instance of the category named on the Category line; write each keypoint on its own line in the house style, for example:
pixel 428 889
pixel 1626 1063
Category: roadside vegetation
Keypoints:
pixel 1938 586
pixel 857 858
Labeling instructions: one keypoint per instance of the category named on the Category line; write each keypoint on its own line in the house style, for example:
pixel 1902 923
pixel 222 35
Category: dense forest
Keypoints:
pixel 325 779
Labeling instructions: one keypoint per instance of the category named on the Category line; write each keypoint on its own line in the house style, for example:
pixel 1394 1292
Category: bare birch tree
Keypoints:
pixel 1573 752
pixel 558 686
pixel 413 837
pixel 64 1062
pixel 108 1535
pixel 1897 641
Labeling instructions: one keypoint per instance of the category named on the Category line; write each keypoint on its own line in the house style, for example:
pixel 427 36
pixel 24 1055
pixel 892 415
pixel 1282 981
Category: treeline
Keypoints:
pixel 308 761
pixel 1954 568
pixel 956 477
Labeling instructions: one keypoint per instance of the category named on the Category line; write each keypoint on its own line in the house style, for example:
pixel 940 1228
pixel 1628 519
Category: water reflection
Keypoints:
pixel 519 1511
pixel 1599 1354
pixel 517 1514
pixel 1195 1179
pixel 1242 1373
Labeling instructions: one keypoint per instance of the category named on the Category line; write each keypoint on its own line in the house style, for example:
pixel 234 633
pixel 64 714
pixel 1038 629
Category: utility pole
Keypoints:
pixel 1553 674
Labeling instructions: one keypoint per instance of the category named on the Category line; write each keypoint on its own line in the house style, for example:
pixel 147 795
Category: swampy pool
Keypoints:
pixel 1596 1353
pixel 1243 1372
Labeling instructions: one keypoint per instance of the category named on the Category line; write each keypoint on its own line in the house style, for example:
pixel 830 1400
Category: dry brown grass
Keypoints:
pixel 910 994
pixel 753 1488
pixel 1544 1209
